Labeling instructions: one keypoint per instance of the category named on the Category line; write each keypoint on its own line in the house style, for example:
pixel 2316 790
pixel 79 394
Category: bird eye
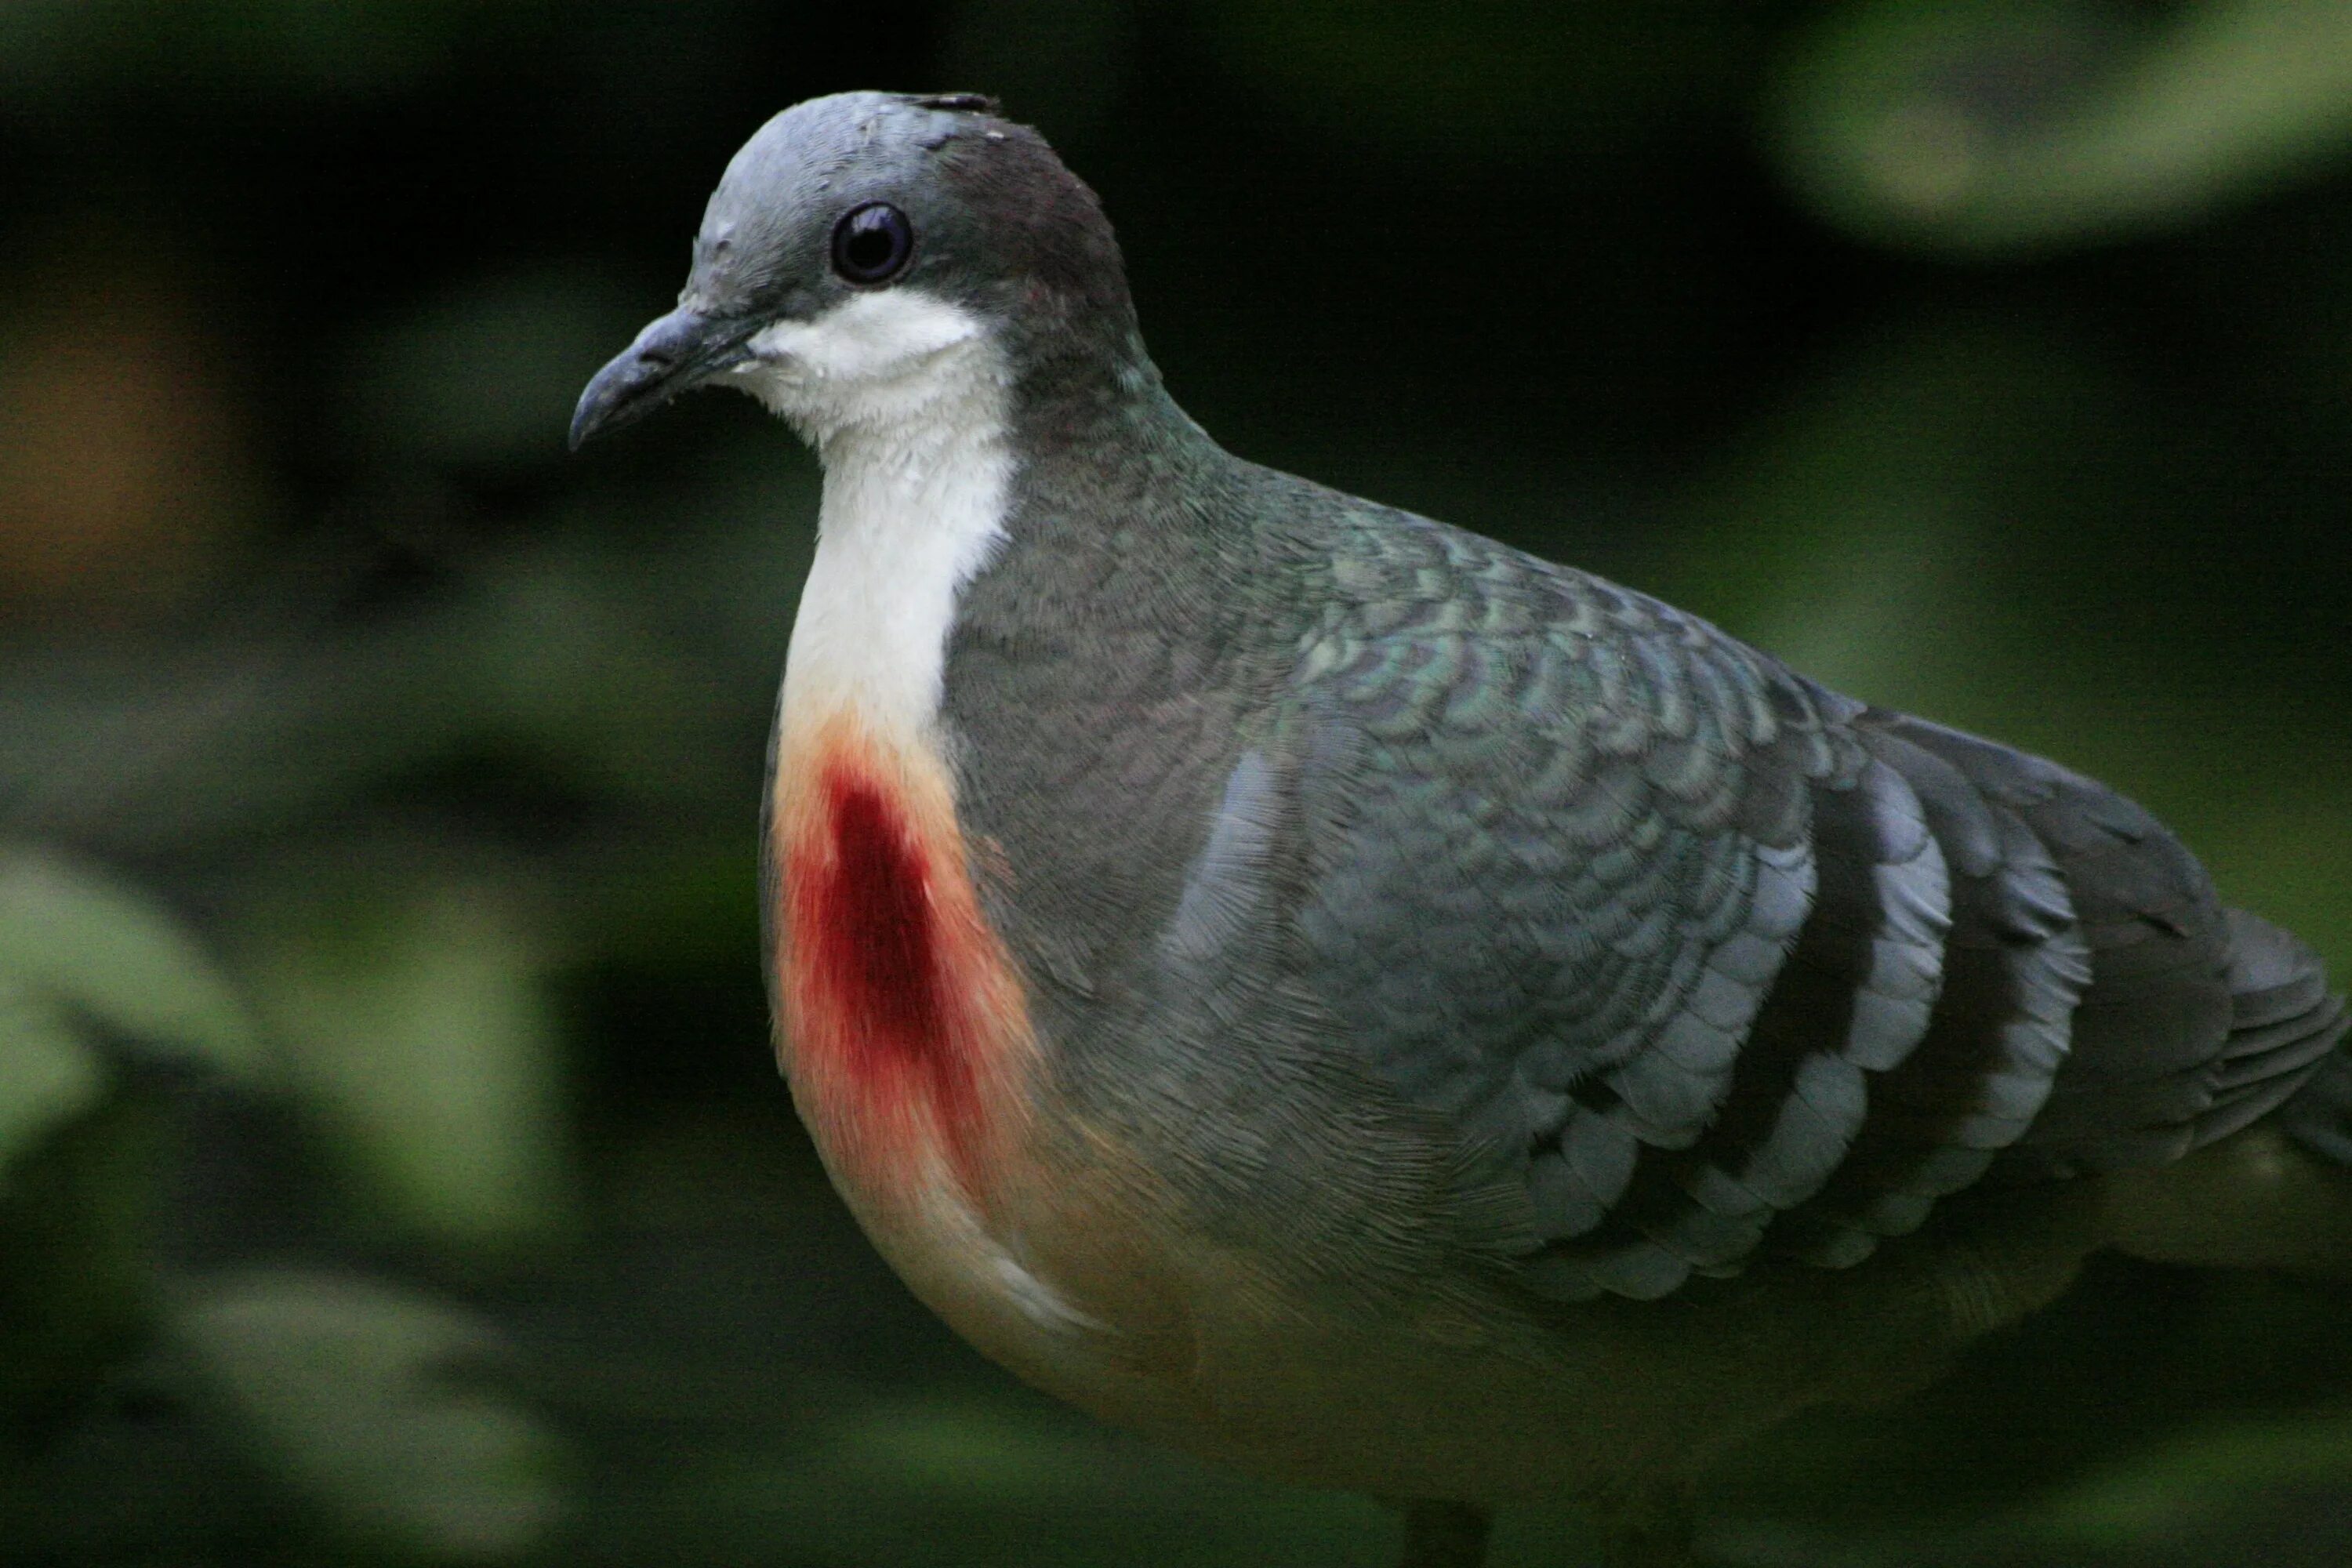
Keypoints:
pixel 871 244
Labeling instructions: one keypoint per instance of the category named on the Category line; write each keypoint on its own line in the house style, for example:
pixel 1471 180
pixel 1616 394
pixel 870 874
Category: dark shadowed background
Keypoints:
pixel 392 1164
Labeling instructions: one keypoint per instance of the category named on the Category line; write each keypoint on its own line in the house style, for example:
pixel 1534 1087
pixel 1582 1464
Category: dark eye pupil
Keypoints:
pixel 872 242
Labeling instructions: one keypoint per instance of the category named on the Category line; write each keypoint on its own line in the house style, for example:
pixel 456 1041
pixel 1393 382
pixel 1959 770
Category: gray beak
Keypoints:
pixel 675 354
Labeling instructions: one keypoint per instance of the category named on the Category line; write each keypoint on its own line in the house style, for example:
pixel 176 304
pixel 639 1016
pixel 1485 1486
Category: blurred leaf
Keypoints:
pixel 967 1482
pixel 75 1221
pixel 1057 62
pixel 418 1021
pixel 366 1398
pixel 486 374
pixel 48 1075
pixel 2202 1477
pixel 336 48
pixel 2001 126
pixel 1870 531
pixel 102 948
pixel 79 1164
pixel 567 656
pixel 1507 81
pixel 128 475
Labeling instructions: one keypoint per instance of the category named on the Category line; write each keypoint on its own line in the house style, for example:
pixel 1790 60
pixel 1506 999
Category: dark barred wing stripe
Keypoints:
pixel 2154 1020
pixel 2197 1020
pixel 1702 962
pixel 1663 1097
pixel 1854 998
pixel 1566 853
pixel 2101 1010
pixel 2015 965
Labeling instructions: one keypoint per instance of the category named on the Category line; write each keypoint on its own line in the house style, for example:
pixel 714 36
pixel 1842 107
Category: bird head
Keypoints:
pixel 860 245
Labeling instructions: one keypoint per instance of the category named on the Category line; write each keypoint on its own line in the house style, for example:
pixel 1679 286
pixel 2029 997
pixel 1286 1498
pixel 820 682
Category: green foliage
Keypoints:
pixel 418 1027
pixel 85 961
pixel 2200 1482
pixel 54 1077
pixel 76 1287
pixel 380 1407
pixel 1519 81
pixel 74 941
pixel 2005 125
pixel 943 1482
pixel 331 47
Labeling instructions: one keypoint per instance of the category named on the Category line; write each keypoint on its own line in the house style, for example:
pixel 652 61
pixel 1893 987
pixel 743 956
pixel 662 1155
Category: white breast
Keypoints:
pixel 904 396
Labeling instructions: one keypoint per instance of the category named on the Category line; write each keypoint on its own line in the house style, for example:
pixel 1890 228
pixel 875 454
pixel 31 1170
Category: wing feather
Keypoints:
pixel 1703 962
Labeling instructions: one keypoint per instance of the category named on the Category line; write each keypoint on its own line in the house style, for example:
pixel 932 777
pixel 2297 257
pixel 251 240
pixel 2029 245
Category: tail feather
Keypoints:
pixel 2319 1119
pixel 2283 1024
pixel 2279 1193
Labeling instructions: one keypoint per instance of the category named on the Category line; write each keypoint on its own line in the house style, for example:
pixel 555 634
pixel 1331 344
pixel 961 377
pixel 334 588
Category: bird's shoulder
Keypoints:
pixel 1443 651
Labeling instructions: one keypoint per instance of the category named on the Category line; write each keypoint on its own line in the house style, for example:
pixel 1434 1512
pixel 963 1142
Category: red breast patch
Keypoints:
pixel 900 1009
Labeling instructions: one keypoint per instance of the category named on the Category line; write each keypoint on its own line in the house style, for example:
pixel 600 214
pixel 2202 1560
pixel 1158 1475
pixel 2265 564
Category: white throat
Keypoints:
pixel 904 397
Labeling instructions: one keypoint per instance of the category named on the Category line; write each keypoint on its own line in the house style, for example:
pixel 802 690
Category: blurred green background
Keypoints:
pixel 392 1164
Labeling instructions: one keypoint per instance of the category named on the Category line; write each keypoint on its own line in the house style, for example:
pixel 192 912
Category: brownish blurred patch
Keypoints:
pixel 126 469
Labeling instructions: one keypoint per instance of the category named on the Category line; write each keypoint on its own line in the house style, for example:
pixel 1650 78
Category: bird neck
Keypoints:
pixel 1059 456
pixel 1115 522
pixel 915 502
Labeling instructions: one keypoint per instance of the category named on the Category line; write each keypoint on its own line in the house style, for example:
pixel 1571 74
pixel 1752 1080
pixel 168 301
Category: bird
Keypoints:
pixel 1375 1008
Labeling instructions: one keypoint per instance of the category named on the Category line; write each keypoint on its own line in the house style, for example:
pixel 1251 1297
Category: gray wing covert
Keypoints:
pixel 1706 961
pixel 1566 842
